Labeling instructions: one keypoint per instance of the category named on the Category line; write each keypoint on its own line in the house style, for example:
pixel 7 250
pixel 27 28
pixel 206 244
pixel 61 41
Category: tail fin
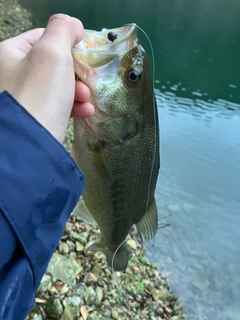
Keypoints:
pixel 117 260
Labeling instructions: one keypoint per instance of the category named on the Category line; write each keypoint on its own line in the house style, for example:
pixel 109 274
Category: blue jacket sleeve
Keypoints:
pixel 39 187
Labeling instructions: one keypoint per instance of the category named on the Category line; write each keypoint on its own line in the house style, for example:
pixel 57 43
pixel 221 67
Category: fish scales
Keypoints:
pixel 117 148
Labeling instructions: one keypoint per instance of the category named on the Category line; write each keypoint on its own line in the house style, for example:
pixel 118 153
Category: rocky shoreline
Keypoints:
pixel 81 286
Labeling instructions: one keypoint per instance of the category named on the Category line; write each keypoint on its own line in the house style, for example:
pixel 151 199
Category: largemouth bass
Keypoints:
pixel 117 148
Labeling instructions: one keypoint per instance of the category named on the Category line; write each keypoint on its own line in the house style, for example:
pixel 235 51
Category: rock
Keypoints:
pixel 173 207
pixel 45 283
pixel 62 268
pixel 79 246
pixel 73 255
pixel 132 244
pixel 63 248
pixel 97 270
pixel 37 317
pixel 68 228
pixel 159 294
pixel 82 237
pixel 74 301
pixel 53 308
pixel 99 295
pixel 114 313
pixel 90 296
pixel 71 245
pixel 79 289
pixel 69 312
pixel 53 290
pixel 77 268
pixel 64 289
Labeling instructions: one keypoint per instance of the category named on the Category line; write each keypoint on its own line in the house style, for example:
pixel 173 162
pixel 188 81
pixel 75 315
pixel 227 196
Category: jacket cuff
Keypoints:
pixel 40 183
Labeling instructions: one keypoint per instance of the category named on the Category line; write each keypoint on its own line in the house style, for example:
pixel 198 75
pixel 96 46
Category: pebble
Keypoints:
pixel 53 290
pixel 159 294
pixel 89 296
pixel 63 248
pixel 64 289
pixel 79 289
pixel 74 300
pixel 132 244
pixel 71 245
pixel 73 255
pixel 79 246
pixel 54 308
pixel 82 237
pixel 114 313
pixel 99 295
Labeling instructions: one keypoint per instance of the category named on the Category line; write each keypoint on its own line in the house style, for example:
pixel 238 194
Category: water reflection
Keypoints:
pixel 175 100
pixel 199 188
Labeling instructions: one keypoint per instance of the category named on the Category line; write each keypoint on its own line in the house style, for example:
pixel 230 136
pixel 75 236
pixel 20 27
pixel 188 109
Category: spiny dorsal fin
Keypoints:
pixel 147 226
pixel 82 212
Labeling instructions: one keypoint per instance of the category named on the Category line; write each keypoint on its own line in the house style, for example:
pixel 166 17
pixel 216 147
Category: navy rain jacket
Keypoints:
pixel 39 187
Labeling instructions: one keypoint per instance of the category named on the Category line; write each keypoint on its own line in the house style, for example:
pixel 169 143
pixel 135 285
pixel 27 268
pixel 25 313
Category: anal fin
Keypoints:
pixel 82 212
pixel 147 226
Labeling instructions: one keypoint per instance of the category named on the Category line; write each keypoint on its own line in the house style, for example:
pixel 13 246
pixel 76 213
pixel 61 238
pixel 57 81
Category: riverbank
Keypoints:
pixel 81 286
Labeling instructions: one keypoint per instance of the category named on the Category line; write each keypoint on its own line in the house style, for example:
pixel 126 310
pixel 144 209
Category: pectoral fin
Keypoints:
pixel 82 212
pixel 147 226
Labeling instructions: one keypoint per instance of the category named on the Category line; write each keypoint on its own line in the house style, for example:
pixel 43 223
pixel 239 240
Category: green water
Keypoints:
pixel 197 73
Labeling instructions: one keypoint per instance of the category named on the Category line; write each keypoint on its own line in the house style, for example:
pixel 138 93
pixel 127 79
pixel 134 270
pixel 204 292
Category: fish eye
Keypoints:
pixel 112 36
pixel 134 77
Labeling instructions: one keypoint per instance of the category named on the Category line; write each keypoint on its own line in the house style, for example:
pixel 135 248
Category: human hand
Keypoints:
pixel 37 70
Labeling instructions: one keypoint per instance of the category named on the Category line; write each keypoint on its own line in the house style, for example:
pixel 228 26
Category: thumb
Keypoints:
pixel 62 31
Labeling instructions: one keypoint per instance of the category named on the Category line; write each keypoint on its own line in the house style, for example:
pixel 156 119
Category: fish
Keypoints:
pixel 117 148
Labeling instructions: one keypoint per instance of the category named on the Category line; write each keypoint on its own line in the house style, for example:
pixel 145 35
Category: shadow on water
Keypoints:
pixel 197 45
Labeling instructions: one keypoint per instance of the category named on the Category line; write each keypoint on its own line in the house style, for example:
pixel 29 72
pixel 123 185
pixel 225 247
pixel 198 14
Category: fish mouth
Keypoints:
pixel 97 48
